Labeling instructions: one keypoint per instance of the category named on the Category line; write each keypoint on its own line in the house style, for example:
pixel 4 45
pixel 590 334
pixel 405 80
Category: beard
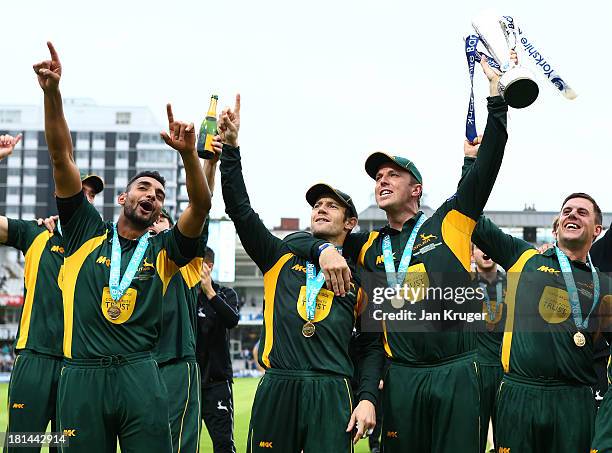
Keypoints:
pixel 137 220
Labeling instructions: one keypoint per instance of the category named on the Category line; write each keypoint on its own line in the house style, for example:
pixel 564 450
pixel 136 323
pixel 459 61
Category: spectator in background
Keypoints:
pixel 217 313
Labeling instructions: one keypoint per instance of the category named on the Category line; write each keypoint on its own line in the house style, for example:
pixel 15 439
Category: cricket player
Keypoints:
pixel 431 391
pixel 175 352
pixel 304 401
pixel 113 280
pixel 33 386
pixel 493 284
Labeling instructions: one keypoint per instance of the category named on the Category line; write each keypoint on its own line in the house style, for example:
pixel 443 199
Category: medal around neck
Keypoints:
pixel 579 339
pixel 314 283
pixel 117 288
pixel 516 85
pixel 574 298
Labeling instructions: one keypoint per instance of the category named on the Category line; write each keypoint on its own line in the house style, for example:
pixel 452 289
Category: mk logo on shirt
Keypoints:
pixel 69 432
pixel 264 444
pixel 299 268
pixel 392 434
pixel 58 249
pixel 503 450
pixel 18 405
pixel 549 270
pixel 103 260
pixel 380 259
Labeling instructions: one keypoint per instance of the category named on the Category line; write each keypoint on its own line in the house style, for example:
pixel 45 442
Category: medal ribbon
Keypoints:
pixel 313 286
pixel 397 278
pixel 570 283
pixel 473 56
pixel 500 296
pixel 117 288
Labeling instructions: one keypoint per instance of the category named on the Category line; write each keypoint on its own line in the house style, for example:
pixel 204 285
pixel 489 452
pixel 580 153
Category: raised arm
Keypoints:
pixel 263 247
pixel 182 138
pixel 503 248
pixel 65 172
pixel 475 188
pixel 7 145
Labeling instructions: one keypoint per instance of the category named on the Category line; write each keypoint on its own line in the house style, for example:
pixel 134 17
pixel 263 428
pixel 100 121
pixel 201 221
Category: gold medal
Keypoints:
pixel 113 312
pixel 308 329
pixel 579 339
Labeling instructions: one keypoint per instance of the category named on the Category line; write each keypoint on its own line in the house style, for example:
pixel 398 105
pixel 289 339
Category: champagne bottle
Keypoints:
pixel 208 130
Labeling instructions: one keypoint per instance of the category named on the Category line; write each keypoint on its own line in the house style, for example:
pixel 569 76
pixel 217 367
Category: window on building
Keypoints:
pixel 10 116
pixel 12 190
pixel 29 190
pixel 97 155
pixel 148 139
pixel 83 136
pixel 123 118
pixel 123 137
pixel 122 155
pixel 99 136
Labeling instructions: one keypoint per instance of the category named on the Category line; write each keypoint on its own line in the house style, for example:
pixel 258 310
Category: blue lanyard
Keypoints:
pixel 397 278
pixel 117 289
pixel 500 298
pixel 313 287
pixel 574 298
pixel 473 56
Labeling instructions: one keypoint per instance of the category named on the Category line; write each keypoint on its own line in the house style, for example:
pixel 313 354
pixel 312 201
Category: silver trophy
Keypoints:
pixel 516 85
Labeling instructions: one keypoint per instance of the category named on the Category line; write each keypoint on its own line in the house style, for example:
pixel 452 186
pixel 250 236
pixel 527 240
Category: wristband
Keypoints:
pixel 324 246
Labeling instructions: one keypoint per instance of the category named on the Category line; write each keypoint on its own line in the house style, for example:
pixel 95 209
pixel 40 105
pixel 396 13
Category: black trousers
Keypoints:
pixel 218 415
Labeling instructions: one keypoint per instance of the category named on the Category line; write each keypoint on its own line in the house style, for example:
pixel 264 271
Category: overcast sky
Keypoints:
pixel 325 83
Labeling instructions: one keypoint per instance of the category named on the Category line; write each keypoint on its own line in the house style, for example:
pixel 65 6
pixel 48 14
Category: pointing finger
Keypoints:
pixel 237 105
pixel 53 52
pixel 169 112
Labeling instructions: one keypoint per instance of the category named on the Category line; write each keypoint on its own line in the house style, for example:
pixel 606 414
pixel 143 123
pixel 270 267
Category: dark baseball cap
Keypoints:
pixel 376 159
pixel 167 215
pixel 95 181
pixel 316 191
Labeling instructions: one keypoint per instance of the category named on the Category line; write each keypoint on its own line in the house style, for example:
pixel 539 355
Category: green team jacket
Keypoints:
pixel 179 316
pixel 282 344
pixel 489 337
pixel 441 253
pixel 41 324
pixel 89 329
pixel 538 339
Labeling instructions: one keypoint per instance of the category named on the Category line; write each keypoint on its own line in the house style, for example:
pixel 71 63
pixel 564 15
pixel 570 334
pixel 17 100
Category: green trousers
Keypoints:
pixel 543 417
pixel 301 411
pixel 182 381
pixel 32 395
pixel 432 408
pixel 116 397
pixel 490 378
pixel 602 441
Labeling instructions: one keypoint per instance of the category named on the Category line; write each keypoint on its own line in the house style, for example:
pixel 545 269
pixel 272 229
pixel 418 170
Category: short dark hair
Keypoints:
pixel 146 174
pixel 209 255
pixel 555 223
pixel 586 196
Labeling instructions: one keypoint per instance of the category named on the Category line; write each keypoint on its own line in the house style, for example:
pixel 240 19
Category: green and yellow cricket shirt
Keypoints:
pixel 179 324
pixel 538 341
pixel 441 254
pixel 490 339
pixel 282 344
pixel 91 328
pixel 41 323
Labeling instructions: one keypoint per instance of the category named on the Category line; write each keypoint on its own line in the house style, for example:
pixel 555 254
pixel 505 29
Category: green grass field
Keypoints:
pixel 244 392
